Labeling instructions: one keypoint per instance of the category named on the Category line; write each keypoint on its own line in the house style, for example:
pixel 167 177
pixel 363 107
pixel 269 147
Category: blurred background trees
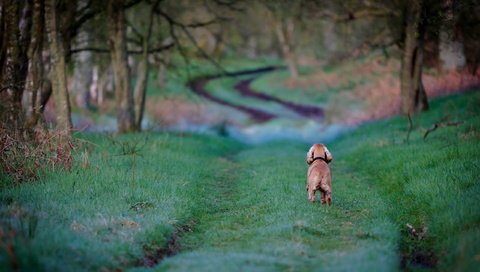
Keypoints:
pixel 85 52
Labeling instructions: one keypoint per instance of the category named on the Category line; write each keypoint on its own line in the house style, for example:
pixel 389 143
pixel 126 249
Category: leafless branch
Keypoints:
pixel 173 34
pixel 134 41
pixel 232 5
pixel 202 52
pixel 135 31
pixel 87 13
pixel 439 125
pixel 354 15
pixel 105 50
pixel 131 4
pixel 184 27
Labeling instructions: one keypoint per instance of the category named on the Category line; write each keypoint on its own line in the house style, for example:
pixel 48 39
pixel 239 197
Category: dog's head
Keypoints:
pixel 319 150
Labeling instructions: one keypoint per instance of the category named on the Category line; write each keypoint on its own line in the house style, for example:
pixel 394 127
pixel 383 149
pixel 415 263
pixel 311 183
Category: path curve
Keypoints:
pixel 307 111
pixel 198 87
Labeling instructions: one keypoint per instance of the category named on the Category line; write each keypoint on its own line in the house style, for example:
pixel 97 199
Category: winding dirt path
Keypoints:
pixel 198 87
pixel 307 111
pixel 243 87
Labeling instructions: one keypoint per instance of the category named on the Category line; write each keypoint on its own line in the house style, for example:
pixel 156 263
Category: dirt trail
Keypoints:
pixel 243 87
pixel 307 111
pixel 198 87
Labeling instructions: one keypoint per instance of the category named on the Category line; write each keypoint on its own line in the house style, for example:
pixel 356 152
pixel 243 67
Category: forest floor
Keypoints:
pixel 402 199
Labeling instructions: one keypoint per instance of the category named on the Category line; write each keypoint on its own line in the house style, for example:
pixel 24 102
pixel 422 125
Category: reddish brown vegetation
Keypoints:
pixel 382 97
pixel 377 88
pixel 169 111
pixel 24 159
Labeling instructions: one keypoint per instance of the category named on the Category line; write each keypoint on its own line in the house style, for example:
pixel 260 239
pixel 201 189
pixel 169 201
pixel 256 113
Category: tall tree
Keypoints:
pixel 143 69
pixel 15 37
pixel 39 88
pixel 407 21
pixel 58 67
pixel 282 19
pixel 118 52
pixel 83 74
pixel 413 94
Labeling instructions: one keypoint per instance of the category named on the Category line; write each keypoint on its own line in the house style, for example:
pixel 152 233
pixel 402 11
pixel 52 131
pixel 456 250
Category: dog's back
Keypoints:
pixel 319 177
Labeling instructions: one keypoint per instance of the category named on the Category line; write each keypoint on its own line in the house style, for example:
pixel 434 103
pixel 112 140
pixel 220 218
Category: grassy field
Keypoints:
pixel 214 204
pixel 113 212
pixel 431 183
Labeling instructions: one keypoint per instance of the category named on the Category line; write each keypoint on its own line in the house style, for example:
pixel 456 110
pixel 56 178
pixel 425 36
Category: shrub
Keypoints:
pixel 24 158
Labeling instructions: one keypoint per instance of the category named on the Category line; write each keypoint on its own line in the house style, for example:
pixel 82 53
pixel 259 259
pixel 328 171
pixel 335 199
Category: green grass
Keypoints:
pixel 431 182
pixel 312 89
pixel 266 222
pixel 101 217
pixel 243 208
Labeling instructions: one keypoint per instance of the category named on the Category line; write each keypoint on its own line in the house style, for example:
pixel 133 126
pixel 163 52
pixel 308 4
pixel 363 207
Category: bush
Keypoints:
pixel 24 158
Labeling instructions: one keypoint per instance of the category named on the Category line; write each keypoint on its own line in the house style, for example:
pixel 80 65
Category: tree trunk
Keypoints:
pixel 451 48
pixel 285 33
pixel 36 71
pixel 140 88
pixel 83 75
pixel 142 76
pixel 58 68
pixel 16 24
pixel 413 94
pixel 118 51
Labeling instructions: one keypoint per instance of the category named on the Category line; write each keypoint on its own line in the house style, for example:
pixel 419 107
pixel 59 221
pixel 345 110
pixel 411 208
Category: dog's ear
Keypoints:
pixel 310 155
pixel 328 155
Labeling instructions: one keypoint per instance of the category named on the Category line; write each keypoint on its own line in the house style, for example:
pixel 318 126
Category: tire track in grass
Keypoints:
pixel 220 197
pixel 257 217
pixel 216 192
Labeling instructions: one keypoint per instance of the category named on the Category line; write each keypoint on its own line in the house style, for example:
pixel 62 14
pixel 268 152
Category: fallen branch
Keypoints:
pixel 439 125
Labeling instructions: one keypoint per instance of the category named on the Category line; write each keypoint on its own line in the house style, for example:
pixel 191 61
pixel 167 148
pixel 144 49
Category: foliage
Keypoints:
pixel 24 159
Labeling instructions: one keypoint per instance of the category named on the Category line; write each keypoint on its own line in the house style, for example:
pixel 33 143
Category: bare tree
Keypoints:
pixel 282 19
pixel 413 94
pixel 143 69
pixel 83 74
pixel 118 51
pixel 407 21
pixel 38 87
pixel 58 67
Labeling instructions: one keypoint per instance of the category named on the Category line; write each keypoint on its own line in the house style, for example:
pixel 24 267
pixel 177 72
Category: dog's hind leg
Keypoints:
pixel 328 196
pixel 311 195
pixel 322 197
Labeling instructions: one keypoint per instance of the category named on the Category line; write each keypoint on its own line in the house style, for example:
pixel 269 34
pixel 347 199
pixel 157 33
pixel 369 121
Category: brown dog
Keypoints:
pixel 319 177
